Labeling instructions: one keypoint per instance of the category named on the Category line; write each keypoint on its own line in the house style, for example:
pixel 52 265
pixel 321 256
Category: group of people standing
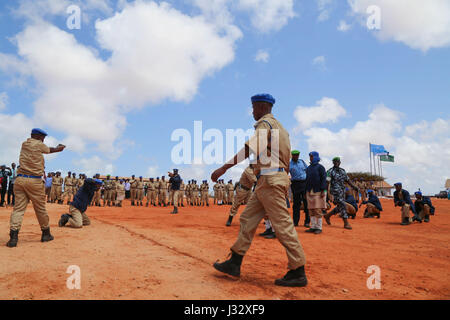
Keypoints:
pixel 7 177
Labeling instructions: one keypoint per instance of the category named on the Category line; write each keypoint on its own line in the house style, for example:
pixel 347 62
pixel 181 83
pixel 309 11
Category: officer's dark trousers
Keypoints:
pixel 2 194
pixel 11 197
pixel 299 195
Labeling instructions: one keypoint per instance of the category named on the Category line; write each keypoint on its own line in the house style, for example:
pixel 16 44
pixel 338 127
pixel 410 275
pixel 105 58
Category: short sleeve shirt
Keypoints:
pixel 270 144
pixel 31 157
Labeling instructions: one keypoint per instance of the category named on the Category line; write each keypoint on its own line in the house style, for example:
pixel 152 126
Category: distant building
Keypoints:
pixel 383 188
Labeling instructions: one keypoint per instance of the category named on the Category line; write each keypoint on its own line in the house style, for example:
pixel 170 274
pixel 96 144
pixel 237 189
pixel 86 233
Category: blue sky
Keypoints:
pixel 389 86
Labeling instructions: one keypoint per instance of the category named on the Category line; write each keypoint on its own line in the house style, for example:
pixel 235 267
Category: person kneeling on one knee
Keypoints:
pixel 374 207
pixel 77 217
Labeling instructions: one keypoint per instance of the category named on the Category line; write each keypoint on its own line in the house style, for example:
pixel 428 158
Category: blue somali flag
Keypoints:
pixel 378 149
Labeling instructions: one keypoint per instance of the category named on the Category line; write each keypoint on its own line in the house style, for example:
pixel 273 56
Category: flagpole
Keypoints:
pixel 370 156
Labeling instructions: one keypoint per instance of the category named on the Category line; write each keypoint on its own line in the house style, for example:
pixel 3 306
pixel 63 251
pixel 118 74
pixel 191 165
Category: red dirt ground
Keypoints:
pixel 147 253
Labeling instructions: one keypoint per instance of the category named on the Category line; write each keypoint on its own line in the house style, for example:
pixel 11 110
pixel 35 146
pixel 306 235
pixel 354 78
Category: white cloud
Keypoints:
pixel 153 171
pixel 326 110
pixel 344 26
pixel 416 23
pixel 268 15
pixel 325 8
pixel 87 98
pixel 3 100
pixel 262 56
pixel 320 62
pixel 91 166
pixel 421 150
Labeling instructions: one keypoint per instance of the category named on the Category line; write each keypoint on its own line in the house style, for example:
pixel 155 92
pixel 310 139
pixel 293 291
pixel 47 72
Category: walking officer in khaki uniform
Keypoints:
pixel 29 185
pixel 163 191
pixel 243 192
pixel 57 182
pixel 139 191
pixel 67 187
pixel 133 189
pixel 272 149
pixel 230 192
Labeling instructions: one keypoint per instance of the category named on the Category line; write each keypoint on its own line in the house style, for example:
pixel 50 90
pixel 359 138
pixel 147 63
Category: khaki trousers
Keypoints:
pixel 230 196
pixel 269 199
pixel 405 211
pixel 133 194
pixel 68 192
pixel 425 212
pixel 163 197
pixel 180 198
pixel 242 196
pixel 175 195
pixel 97 196
pixel 26 189
pixel 372 209
pixel 139 194
pixel 350 209
pixel 57 193
pixel 171 196
pixel 78 219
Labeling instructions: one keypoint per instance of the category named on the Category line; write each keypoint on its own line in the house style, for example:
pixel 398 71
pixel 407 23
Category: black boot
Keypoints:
pixel 13 238
pixel 46 236
pixel 232 266
pixel 346 224
pixel 405 222
pixel 230 218
pixel 265 233
pixel 378 215
pixel 64 219
pixel 271 235
pixel 426 219
pixel 175 210
pixel 293 278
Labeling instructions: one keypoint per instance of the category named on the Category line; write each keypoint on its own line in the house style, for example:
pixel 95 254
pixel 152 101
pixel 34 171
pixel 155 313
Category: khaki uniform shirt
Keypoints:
pixel 31 157
pixel 57 181
pixel 270 144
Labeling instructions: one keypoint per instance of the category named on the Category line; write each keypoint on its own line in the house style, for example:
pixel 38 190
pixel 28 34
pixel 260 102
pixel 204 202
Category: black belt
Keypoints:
pixel 244 187
pixel 298 180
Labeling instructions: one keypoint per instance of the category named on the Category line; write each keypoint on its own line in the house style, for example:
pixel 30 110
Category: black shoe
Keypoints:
pixel 293 278
pixel 46 236
pixel 405 222
pixel 426 219
pixel 230 218
pixel 232 266
pixel 317 231
pixel 378 215
pixel 64 219
pixel 310 230
pixel 271 235
pixel 175 210
pixel 306 225
pixel 13 238
pixel 265 233
pixel 417 219
pixel 353 216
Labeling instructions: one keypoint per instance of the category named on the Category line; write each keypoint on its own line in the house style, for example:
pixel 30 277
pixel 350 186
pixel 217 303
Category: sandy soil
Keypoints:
pixel 147 253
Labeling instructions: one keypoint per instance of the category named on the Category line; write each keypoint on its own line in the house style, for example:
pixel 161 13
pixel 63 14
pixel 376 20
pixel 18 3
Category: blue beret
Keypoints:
pixel 369 191
pixel 265 97
pixel 418 192
pixel 39 131
pixel 398 184
pixel 98 181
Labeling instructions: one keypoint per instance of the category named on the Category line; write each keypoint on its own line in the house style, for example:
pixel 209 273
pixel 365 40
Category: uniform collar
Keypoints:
pixel 265 117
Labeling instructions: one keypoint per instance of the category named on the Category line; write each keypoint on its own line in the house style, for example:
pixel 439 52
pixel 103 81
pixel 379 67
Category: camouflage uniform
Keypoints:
pixel 337 178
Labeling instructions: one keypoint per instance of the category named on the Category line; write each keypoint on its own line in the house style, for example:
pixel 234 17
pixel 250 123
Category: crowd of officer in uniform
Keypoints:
pixel 263 187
